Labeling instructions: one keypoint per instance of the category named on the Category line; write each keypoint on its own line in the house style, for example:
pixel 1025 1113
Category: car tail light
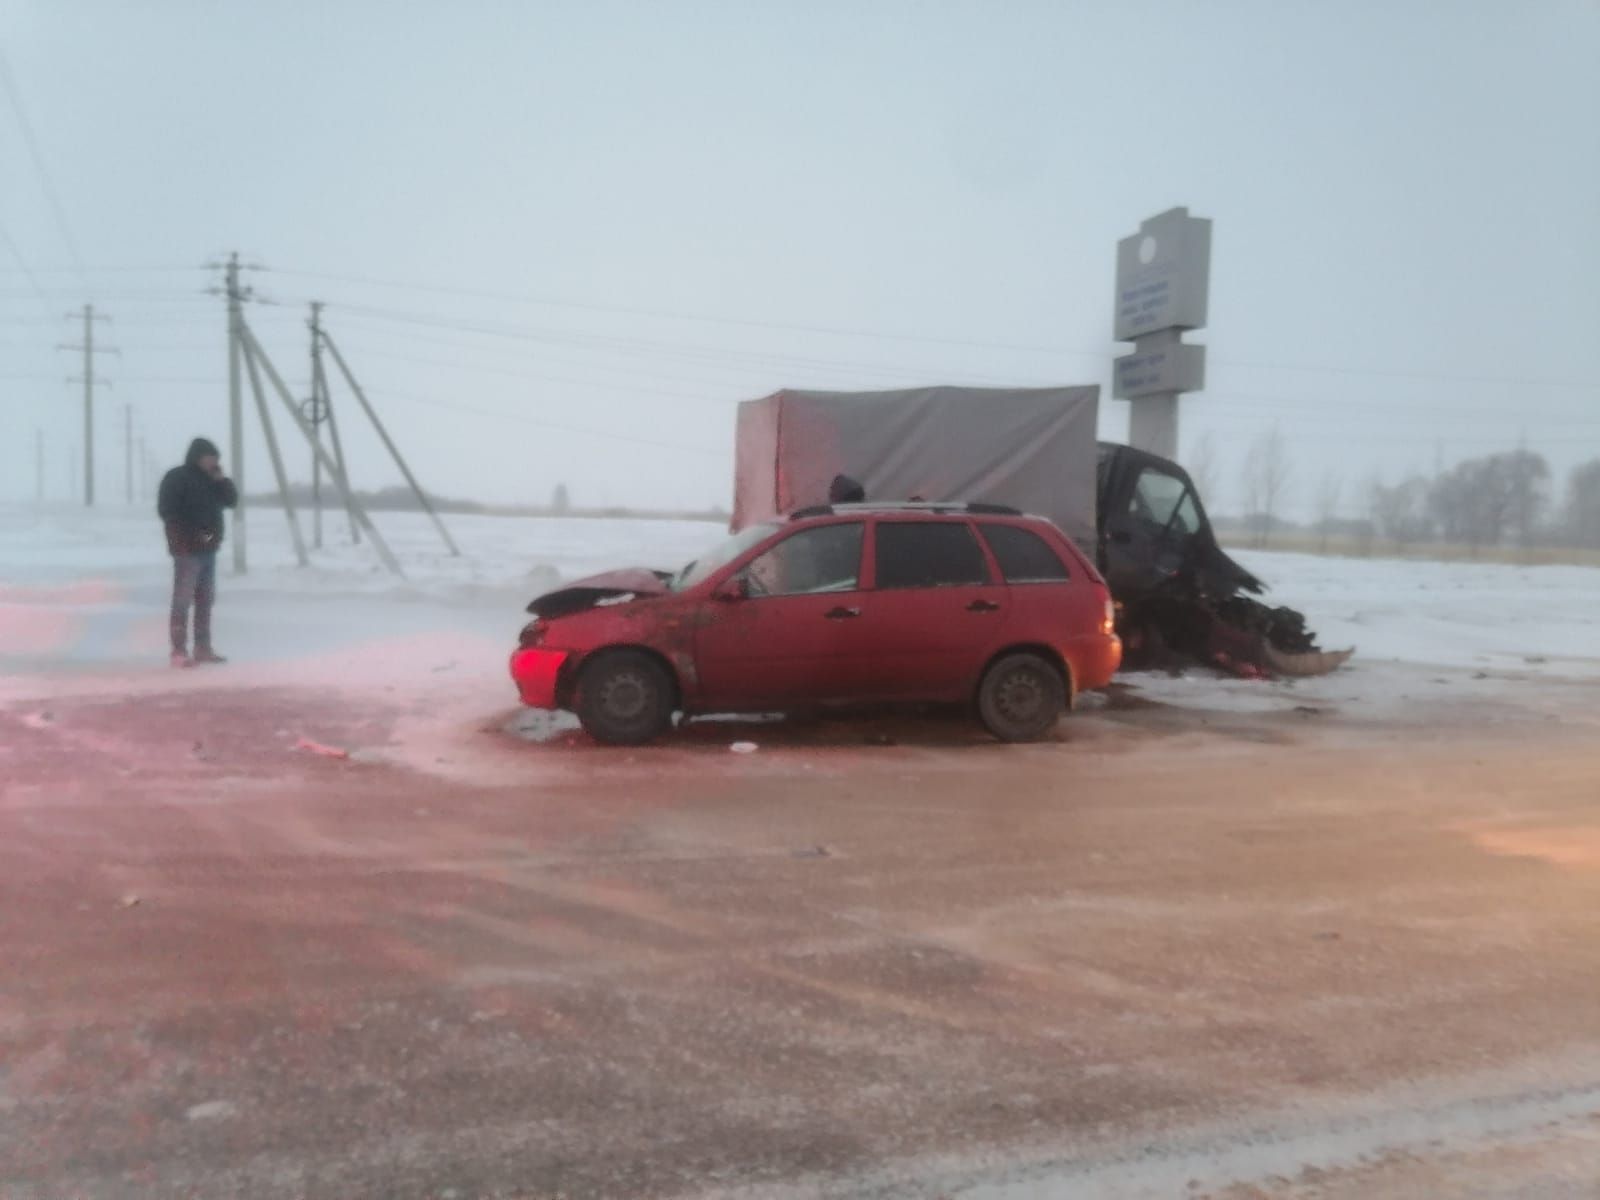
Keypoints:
pixel 1108 623
pixel 532 634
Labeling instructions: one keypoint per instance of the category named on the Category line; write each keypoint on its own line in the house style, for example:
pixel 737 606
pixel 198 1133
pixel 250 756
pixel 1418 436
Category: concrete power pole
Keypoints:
pixel 317 415
pixel 319 390
pixel 127 450
pixel 236 408
pixel 89 351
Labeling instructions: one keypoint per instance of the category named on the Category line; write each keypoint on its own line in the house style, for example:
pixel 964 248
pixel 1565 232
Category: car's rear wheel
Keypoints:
pixel 624 698
pixel 1021 698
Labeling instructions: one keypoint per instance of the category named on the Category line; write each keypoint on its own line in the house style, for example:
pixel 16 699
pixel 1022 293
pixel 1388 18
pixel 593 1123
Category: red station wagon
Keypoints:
pixel 840 605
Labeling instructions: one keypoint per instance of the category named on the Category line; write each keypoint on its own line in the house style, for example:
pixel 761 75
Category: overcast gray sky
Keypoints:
pixel 596 226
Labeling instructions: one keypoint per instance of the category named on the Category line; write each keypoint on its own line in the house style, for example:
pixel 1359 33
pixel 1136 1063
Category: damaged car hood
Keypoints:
pixel 609 585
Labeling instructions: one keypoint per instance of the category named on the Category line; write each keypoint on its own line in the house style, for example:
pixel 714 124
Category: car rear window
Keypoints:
pixel 1023 555
pixel 929 554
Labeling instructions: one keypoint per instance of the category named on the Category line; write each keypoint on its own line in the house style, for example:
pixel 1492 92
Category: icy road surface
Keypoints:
pixel 1317 941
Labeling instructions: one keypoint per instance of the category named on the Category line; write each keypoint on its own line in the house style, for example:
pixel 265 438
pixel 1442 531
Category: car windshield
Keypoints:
pixel 724 554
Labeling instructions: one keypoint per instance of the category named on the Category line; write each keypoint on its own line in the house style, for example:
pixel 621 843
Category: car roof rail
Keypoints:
pixel 978 508
pixel 994 510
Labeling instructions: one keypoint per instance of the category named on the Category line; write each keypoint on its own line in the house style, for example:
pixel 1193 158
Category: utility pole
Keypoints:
pixel 255 356
pixel 127 451
pixel 252 360
pixel 394 451
pixel 319 387
pixel 89 351
pixel 237 295
pixel 236 408
pixel 317 415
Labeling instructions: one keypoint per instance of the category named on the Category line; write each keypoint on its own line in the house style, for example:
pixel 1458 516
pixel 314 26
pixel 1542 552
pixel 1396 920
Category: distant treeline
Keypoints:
pixel 1508 499
pixel 401 499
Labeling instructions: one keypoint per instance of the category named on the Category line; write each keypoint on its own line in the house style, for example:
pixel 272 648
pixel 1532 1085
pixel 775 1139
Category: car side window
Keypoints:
pixel 1023 555
pixel 929 554
pixel 825 558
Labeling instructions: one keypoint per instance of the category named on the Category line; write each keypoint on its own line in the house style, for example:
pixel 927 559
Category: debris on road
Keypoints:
pixel 744 747
pixel 212 1110
pixel 311 747
pixel 129 901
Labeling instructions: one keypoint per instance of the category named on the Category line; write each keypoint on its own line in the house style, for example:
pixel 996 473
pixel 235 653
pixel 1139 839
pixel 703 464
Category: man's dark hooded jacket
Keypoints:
pixel 191 503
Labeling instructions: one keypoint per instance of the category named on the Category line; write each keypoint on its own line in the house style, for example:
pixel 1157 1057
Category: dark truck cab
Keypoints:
pixel 1152 527
pixel 1178 593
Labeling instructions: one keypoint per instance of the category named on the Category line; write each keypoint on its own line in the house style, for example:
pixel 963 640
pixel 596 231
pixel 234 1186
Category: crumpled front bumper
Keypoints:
pixel 536 670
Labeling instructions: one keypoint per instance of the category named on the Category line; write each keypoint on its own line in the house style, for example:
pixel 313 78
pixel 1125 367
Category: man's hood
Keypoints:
pixel 198 449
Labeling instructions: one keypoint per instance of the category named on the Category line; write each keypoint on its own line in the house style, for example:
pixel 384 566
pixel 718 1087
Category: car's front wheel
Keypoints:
pixel 1021 698
pixel 624 698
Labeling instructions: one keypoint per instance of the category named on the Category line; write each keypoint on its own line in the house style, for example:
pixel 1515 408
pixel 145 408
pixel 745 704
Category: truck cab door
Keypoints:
pixel 1150 535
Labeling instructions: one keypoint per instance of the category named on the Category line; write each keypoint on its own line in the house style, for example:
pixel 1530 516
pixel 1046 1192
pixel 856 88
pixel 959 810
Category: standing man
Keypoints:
pixel 191 503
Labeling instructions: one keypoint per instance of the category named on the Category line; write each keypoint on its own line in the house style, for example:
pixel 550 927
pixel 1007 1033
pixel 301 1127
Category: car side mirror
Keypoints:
pixel 732 590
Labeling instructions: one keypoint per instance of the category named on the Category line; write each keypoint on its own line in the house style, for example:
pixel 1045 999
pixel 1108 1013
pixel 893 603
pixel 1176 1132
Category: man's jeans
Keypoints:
pixel 194 585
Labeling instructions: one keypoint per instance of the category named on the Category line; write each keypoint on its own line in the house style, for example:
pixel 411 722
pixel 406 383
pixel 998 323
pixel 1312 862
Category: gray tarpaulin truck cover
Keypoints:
pixel 1032 448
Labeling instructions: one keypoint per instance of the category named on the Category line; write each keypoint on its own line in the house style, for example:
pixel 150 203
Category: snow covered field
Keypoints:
pixel 83 596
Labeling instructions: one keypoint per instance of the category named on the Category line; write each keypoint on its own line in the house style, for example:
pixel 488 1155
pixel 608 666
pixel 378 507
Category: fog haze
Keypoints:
pixel 559 242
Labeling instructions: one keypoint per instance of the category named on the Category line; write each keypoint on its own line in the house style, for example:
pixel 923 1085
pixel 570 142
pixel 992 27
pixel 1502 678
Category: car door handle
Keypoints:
pixel 841 614
pixel 983 606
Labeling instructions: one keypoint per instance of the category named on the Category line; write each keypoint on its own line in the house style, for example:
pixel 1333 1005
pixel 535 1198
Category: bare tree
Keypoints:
pixel 1583 505
pixel 1400 512
pixel 1372 490
pixel 1329 493
pixel 1202 467
pixel 1481 500
pixel 1266 477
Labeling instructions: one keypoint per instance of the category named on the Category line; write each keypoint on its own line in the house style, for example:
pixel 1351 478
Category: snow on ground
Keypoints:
pixel 83 594
pixel 1456 614
pixel 83 607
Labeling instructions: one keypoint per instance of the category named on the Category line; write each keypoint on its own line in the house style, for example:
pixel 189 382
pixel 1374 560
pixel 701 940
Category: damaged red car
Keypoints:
pixel 839 606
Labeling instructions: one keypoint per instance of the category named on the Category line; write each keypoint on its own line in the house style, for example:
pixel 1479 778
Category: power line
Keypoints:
pixel 22 266
pixel 115 270
pixel 55 295
pixel 10 84
pixel 433 402
pixel 542 377
pixel 627 310
pixel 636 345
pixel 1105 356
pixel 741 361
